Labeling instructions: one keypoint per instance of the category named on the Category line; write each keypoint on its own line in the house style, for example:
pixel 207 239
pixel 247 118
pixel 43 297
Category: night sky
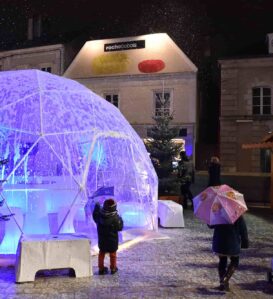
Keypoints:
pixel 235 26
pixel 206 30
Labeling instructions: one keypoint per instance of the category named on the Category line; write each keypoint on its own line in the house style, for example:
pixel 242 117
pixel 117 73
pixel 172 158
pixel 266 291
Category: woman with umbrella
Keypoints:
pixel 228 239
pixel 221 207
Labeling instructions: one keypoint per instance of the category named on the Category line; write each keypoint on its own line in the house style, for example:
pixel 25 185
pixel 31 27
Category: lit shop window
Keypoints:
pixel 261 101
pixel 112 98
pixel 162 103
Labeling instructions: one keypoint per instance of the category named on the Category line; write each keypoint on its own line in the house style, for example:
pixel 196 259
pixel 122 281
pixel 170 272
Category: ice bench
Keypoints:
pixel 170 214
pixel 47 252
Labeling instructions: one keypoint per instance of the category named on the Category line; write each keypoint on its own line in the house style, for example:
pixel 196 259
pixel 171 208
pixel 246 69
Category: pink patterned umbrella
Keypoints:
pixel 219 205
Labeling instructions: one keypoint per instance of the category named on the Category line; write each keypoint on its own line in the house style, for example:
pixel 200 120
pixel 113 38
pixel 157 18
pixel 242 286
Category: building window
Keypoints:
pixel 112 98
pixel 162 103
pixel 261 101
pixel 46 69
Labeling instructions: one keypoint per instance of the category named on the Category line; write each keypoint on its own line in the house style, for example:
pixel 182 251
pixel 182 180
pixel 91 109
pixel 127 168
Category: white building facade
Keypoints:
pixel 143 76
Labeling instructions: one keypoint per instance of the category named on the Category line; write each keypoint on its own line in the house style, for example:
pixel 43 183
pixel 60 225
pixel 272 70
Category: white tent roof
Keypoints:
pixel 152 53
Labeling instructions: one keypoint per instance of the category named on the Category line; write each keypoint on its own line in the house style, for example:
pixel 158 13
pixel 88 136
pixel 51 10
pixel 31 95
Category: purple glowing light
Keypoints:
pixel 63 143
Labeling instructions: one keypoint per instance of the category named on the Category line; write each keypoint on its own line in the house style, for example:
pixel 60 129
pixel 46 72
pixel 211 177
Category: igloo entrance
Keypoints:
pixel 63 143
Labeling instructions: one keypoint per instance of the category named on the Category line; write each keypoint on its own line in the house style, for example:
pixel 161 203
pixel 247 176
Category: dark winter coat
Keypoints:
pixel 185 172
pixel 228 239
pixel 108 226
pixel 214 174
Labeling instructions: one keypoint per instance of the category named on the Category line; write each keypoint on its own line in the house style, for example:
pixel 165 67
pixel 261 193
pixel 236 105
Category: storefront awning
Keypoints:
pixel 266 142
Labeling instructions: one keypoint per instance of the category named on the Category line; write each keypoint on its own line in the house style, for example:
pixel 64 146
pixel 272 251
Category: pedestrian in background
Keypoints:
pixel 186 177
pixel 214 171
pixel 109 223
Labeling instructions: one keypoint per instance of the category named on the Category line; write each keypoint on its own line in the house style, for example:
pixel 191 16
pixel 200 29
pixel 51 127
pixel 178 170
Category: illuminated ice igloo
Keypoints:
pixel 63 143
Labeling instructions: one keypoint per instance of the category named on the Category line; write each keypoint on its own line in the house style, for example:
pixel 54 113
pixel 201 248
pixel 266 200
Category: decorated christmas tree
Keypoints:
pixel 163 151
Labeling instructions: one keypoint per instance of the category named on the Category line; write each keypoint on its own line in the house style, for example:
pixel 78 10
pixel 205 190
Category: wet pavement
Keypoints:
pixel 176 263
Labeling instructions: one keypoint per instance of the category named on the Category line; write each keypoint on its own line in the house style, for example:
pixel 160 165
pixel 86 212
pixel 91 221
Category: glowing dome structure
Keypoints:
pixel 64 146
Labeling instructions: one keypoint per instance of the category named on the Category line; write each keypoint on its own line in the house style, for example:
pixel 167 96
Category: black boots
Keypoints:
pixel 103 271
pixel 221 273
pixel 231 269
pixel 224 280
pixel 113 271
pixel 224 286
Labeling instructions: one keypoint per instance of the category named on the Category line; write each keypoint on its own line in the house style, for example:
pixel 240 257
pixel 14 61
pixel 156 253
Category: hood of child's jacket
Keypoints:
pixel 107 219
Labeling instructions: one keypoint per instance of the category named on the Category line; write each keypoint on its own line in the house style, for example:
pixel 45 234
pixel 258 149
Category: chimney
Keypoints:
pixel 30 29
pixel 34 29
pixel 270 42
pixel 37 26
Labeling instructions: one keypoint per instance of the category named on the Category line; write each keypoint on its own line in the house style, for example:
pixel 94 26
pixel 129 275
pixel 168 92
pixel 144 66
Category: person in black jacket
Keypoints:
pixel 109 223
pixel 186 178
pixel 228 239
pixel 214 171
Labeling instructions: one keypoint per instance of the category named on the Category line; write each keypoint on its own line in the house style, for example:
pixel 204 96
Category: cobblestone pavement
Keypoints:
pixel 178 265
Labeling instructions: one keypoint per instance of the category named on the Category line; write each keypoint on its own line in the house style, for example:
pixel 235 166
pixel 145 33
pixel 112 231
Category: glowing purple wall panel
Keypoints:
pixel 64 142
